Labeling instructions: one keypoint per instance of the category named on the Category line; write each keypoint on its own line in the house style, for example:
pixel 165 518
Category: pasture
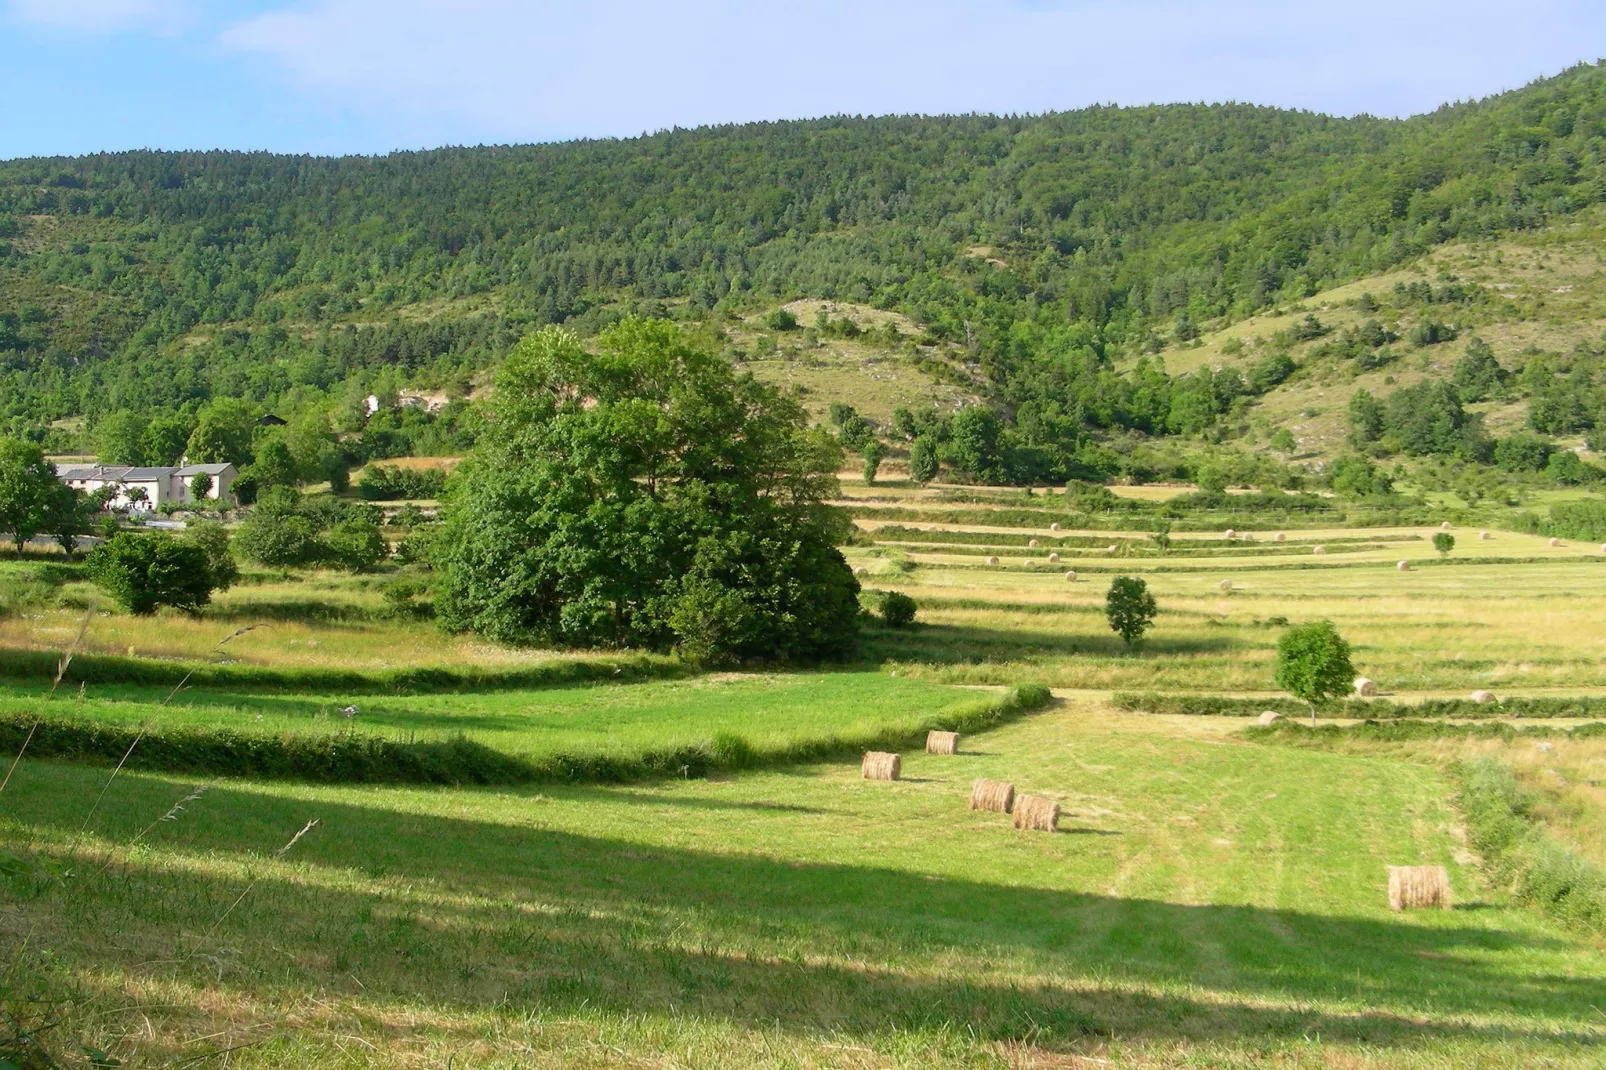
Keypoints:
pixel 1210 898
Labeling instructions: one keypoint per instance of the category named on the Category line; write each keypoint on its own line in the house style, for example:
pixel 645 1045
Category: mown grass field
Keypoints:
pixel 1208 900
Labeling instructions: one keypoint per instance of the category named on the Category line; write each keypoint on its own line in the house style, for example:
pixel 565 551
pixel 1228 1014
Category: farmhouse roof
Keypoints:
pixel 204 469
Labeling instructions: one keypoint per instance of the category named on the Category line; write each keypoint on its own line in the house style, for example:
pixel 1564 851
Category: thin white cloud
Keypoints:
pixel 101 16
pixel 469 70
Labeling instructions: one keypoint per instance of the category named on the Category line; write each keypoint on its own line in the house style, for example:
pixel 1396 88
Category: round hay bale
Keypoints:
pixel 1037 814
pixel 1053 559
pixel 1444 526
pixel 1319 550
pixel 1070 577
pixel 1365 688
pixel 1225 585
pixel 1029 562
pixel 880 765
pixel 942 742
pixel 996 796
pixel 1112 548
pixel 1485 536
pixel 861 571
pixel 1603 547
pixel 1034 544
pixel 1279 537
pixel 1416 887
pixel 992 560
pixel 1231 534
pixel 1054 527
pixel 1269 717
pixel 1556 544
pixel 1403 566
pixel 1482 697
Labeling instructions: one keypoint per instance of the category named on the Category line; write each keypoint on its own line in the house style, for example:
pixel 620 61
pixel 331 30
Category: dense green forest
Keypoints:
pixel 152 282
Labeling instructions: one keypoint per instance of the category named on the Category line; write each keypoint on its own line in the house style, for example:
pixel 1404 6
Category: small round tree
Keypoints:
pixel 1443 542
pixel 898 609
pixel 143 572
pixel 1130 607
pixel 1313 663
pixel 922 461
pixel 874 453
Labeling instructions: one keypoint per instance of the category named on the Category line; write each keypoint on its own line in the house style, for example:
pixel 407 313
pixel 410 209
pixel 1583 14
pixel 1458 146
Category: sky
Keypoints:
pixel 371 76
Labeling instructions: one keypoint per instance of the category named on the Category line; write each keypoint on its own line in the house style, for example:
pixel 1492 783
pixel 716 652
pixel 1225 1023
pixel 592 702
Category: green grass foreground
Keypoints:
pixel 1206 903
pixel 611 733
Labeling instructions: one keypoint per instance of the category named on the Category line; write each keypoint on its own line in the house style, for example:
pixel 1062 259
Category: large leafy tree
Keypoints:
pixel 30 495
pixel 647 495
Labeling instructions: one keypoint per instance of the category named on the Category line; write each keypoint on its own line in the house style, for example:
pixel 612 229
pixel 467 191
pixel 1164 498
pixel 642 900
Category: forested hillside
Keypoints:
pixel 1030 253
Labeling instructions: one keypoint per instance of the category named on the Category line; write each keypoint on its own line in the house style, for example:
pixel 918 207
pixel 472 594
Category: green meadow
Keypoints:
pixel 694 874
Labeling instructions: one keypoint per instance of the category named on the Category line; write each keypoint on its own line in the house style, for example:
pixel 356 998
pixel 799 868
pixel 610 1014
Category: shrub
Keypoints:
pixel 1313 662
pixel 213 539
pixel 387 482
pixel 1443 542
pixel 781 320
pixel 355 545
pixel 143 572
pixel 276 539
pixel 1130 608
pixel 922 460
pixel 897 609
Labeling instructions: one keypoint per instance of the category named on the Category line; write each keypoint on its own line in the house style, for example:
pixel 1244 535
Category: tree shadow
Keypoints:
pixel 472 913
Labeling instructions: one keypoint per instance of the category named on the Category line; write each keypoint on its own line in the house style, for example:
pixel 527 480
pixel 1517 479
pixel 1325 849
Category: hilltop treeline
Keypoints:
pixel 1035 245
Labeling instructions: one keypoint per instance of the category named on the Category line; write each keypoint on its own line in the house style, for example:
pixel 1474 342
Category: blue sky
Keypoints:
pixel 337 76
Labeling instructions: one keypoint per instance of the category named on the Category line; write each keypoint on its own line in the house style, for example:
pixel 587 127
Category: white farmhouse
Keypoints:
pixel 144 490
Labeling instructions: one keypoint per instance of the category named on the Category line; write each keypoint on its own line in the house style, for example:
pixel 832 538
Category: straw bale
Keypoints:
pixel 1403 566
pixel 1111 549
pixel 1365 688
pixel 995 795
pixel 1053 558
pixel 1053 527
pixel 1444 526
pixel 1037 814
pixel 1034 544
pixel 942 742
pixel 1319 550
pixel 1556 544
pixel 1231 534
pixel 1482 697
pixel 1226 585
pixel 1279 537
pixel 1485 536
pixel 992 560
pixel 1070 577
pixel 1269 717
pixel 879 765
pixel 1414 887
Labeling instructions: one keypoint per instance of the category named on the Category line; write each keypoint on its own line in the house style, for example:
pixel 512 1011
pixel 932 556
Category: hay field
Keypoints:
pixel 1206 902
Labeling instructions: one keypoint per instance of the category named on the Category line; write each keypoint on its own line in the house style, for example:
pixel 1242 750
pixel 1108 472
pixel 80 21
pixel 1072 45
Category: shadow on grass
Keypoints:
pixel 473 914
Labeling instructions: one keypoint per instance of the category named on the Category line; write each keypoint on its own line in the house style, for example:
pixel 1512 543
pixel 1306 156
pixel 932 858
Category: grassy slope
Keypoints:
pixel 769 711
pixel 1206 903
pixel 1551 290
